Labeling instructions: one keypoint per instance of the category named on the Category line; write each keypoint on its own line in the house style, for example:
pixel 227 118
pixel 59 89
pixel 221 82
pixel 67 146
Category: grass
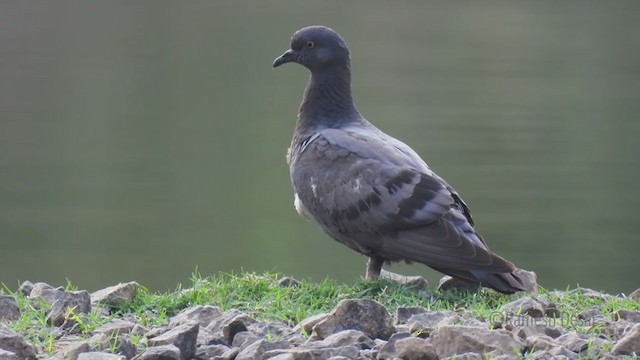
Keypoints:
pixel 261 296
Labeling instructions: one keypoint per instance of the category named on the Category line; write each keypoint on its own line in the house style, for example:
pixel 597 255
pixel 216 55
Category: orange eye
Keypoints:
pixel 310 44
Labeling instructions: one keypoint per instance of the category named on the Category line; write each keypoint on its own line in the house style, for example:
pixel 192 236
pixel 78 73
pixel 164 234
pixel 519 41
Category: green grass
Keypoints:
pixel 260 296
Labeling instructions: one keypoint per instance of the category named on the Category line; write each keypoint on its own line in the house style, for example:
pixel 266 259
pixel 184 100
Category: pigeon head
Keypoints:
pixel 316 48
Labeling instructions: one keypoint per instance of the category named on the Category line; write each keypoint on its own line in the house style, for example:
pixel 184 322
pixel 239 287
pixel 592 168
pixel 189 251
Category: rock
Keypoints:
pixel 287 356
pixel 163 352
pixel 523 332
pixel 201 314
pixel 388 349
pixel 244 339
pixel 628 315
pixel 9 309
pixel 457 339
pixel 448 283
pixel 590 293
pixel 466 356
pixel 635 295
pixel 629 343
pixel 258 349
pixel 7 355
pixel 210 351
pixel 42 292
pixel 342 338
pixel 415 348
pixel 26 287
pixel 77 302
pixel 428 321
pixel 183 337
pixel 94 355
pixel 404 313
pixel 126 348
pixel 289 282
pixel 231 329
pixel 276 330
pixel 116 327
pixel 414 282
pixel 307 324
pixel 616 330
pixel 115 295
pixel 73 350
pixel 365 315
pixel 349 352
pixel 227 318
pixel 573 342
pixel 524 306
pixel 13 342
pixel 529 279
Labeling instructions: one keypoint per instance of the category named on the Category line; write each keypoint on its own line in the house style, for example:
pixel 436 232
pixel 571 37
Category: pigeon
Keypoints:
pixel 370 191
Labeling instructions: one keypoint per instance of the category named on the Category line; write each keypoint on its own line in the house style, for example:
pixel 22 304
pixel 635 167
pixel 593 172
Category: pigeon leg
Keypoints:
pixel 374 266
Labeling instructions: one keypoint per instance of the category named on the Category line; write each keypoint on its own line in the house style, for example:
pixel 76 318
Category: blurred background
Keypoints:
pixel 140 140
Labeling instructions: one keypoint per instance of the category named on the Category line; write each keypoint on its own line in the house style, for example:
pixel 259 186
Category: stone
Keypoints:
pixel 116 295
pixel 466 356
pixel 210 351
pixel 635 295
pixel 388 349
pixel 8 355
pixel 163 352
pixel 184 337
pixel 529 279
pixel 230 354
pixel 415 348
pixel 617 329
pixel 201 314
pixel 429 320
pixel 307 324
pixel 404 313
pixel 73 350
pixel 342 338
pixel 126 348
pixel 42 292
pixel 590 293
pixel 289 282
pixel 9 309
pixel 448 283
pixel 13 342
pixel 231 329
pixel 349 352
pixel 414 282
pixel 115 327
pixel 457 339
pixel 525 306
pixel 523 332
pixel 76 302
pixel 365 315
pixel 228 317
pixel 628 315
pixel 629 343
pixel 26 287
pixel 573 342
pixel 95 355
pixel 244 339
pixel 258 349
pixel 287 356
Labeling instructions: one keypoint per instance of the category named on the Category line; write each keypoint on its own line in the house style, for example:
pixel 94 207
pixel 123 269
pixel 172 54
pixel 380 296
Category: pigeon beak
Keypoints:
pixel 288 56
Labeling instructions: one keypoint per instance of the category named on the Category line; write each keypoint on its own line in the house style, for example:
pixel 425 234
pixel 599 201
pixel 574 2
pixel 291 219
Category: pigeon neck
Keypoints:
pixel 327 99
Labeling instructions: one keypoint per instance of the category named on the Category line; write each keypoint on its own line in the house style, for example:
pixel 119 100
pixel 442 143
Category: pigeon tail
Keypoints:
pixel 506 283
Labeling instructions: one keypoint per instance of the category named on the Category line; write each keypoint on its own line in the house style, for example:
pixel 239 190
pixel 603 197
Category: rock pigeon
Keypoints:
pixel 370 191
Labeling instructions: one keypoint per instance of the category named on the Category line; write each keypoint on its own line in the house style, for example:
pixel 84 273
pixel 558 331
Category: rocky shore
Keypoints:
pixel 529 326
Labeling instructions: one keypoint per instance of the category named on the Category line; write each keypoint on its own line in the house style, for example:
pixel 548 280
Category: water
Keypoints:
pixel 139 141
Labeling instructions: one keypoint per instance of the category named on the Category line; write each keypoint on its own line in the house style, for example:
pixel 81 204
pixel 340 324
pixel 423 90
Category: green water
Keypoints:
pixel 140 140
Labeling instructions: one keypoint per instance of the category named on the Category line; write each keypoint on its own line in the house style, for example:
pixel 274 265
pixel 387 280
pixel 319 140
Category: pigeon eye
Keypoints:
pixel 310 44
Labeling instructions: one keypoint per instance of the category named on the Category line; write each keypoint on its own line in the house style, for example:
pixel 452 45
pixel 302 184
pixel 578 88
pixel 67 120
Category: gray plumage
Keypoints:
pixel 370 191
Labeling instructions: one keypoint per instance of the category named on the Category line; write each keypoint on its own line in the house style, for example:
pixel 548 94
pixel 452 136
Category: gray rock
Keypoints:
pixel 15 343
pixel 99 342
pixel 590 293
pixel 126 348
pixel 231 329
pixel 289 282
pixel 365 315
pixel 458 339
pixel 258 349
pixel 26 287
pixel 7 355
pixel 230 354
pixel 228 317
pixel 244 339
pixel 523 332
pixel 414 282
pixel 116 327
pixel 448 283
pixel 573 342
pixel 163 352
pixel 404 313
pixel 628 315
pixel 9 309
pixel 115 295
pixel 616 330
pixel 350 352
pixel 342 338
pixel 388 349
pixel 428 321
pixel 307 324
pixel 42 292
pixel 79 302
pixel 525 306
pixel 629 343
pixel 286 356
pixel 276 331
pixel 368 354
pixel 466 356
pixel 415 348
pixel 211 351
pixel 184 337
pixel 73 350
pixel 529 279
pixel 95 355
pixel 635 295
pixel 201 314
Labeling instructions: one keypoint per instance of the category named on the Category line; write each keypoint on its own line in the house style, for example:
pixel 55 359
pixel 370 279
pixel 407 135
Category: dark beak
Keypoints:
pixel 288 56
